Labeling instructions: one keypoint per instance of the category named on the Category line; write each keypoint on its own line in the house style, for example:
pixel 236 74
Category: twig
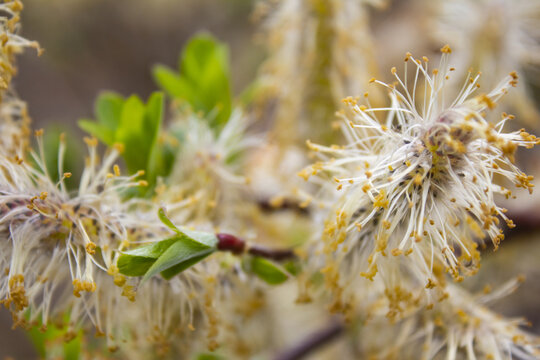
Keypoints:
pixel 266 205
pixel 313 342
pixel 526 219
pixel 237 246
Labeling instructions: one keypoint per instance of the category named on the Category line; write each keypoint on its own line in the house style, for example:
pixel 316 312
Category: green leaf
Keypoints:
pixel 130 132
pixel 208 239
pixel 177 269
pixel 51 341
pixel 171 82
pixel 203 80
pixel 100 131
pixel 154 250
pixel 170 256
pixel 137 126
pixel 130 265
pixel 293 267
pixel 182 254
pixel 153 119
pixel 166 221
pixel 267 270
pixel 108 108
pixel 136 262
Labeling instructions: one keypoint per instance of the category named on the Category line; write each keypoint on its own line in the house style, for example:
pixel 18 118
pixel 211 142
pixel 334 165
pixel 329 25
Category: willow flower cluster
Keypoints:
pixel 420 180
pixel 413 195
pixel 60 248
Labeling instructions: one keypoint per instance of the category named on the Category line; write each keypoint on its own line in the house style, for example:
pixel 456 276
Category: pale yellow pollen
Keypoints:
pixel 91 248
pixel 446 49
pixel 90 141
pixel 119 147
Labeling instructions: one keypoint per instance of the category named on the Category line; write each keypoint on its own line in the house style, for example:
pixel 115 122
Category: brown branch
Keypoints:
pixel 237 246
pixel 313 342
pixel 266 205
pixel 526 219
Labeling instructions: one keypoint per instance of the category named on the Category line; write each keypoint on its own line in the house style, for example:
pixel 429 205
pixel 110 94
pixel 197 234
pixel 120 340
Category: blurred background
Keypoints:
pixel 111 45
pixel 95 45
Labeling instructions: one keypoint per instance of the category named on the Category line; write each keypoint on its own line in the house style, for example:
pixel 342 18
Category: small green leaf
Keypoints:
pixel 134 265
pixel 136 262
pixel 155 165
pixel 185 251
pixel 172 82
pixel 205 238
pixel 108 109
pixel 100 131
pixel 203 80
pixel 137 126
pixel 170 256
pixel 293 267
pixel 154 250
pixel 166 221
pixel 177 269
pixel 130 132
pixel 267 270
pixel 51 341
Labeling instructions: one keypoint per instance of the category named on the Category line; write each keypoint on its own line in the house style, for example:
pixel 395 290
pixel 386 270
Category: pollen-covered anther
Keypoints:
pixel 486 100
pixel 430 284
pixel 91 141
pixel 311 146
pixel 370 274
pixel 80 286
pixel 349 100
pixel 119 280
pixel 381 200
pixel 514 80
pixel 91 248
pixel 119 147
pixel 524 181
pixel 17 293
pixel 129 292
